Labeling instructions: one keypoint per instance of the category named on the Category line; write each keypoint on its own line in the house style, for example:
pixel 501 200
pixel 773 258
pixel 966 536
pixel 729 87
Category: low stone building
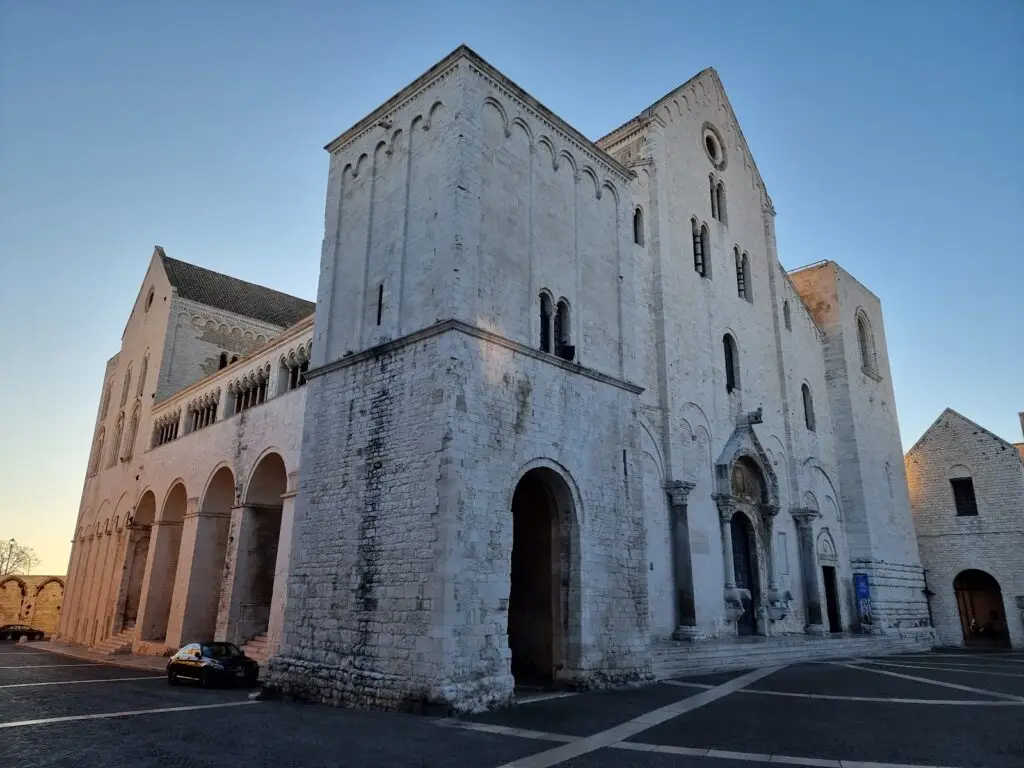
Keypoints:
pixel 967 494
pixel 565 410
pixel 32 600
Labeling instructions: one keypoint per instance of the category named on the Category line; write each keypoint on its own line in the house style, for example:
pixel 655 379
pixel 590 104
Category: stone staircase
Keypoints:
pixel 671 658
pixel 119 643
pixel 256 648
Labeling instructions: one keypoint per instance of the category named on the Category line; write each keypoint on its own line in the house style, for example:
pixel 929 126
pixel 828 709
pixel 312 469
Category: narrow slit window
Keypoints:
pixel 638 227
pixel 545 323
pixel 380 301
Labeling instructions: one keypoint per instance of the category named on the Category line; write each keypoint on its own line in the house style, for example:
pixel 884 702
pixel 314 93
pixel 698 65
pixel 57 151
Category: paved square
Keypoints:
pixel 945 708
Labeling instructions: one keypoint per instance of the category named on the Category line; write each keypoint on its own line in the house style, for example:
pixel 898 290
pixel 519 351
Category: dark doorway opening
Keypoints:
pixel 982 616
pixel 539 589
pixel 835 623
pixel 744 564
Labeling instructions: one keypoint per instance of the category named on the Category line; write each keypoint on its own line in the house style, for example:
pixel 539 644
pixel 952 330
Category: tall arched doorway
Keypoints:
pixel 139 534
pixel 206 578
pixel 744 559
pixel 541 594
pixel 257 552
pixel 982 615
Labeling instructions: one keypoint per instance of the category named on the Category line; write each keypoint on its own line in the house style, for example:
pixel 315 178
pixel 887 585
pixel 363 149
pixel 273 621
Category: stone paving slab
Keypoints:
pixel 76 651
pixel 975 679
pixel 842 681
pixel 962 735
pixel 585 713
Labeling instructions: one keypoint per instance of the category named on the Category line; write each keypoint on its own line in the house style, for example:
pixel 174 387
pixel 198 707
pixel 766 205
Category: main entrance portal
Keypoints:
pixel 982 617
pixel 745 565
pixel 538 604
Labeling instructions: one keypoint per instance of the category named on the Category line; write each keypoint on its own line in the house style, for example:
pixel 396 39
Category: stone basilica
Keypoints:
pixel 559 415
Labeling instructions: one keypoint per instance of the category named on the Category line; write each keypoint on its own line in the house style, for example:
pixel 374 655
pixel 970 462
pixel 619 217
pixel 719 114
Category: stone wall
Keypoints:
pixel 992 541
pixel 32 600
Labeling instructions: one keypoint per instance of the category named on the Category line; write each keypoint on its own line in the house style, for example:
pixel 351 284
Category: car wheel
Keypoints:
pixel 172 679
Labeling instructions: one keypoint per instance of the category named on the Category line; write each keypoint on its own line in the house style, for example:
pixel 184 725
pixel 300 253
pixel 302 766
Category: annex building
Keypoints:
pixel 967 495
pixel 560 408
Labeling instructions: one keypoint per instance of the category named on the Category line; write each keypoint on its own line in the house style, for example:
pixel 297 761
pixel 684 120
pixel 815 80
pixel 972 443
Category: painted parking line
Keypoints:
pixel 931 681
pixel 950 668
pixel 48 666
pixel 720 754
pixel 129 713
pixel 81 682
pixel 625 730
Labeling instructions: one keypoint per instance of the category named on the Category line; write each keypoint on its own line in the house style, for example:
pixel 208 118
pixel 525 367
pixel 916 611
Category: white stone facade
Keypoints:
pixel 954 541
pixel 524 455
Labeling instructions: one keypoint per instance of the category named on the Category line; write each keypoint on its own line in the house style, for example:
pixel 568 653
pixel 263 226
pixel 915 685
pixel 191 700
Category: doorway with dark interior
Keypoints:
pixel 835 622
pixel 538 604
pixel 745 565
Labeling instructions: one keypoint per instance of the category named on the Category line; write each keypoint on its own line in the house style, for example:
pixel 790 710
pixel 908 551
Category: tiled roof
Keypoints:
pixel 233 295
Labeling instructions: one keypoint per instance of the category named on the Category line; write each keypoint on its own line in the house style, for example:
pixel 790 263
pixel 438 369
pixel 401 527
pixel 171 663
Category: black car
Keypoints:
pixel 17 631
pixel 211 663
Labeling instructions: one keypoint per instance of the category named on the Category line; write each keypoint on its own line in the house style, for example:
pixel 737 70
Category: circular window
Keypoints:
pixel 713 145
pixel 149 299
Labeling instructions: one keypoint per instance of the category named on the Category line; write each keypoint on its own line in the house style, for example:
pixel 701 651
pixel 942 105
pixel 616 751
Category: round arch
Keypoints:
pixel 267 481
pixel 979 599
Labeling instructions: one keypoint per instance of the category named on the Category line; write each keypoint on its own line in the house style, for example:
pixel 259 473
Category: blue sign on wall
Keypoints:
pixel 863 593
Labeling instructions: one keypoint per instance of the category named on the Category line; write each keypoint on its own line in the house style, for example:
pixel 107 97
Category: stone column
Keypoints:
pixel 155 603
pixel 682 565
pixel 275 629
pixel 805 518
pixel 733 599
pixel 200 567
pixel 236 570
pixel 775 601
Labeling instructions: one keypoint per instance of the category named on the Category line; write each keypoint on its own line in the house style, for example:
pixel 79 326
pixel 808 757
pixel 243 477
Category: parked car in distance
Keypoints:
pixel 212 663
pixel 16 631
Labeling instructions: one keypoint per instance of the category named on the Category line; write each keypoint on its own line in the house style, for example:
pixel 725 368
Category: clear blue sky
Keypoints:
pixel 889 135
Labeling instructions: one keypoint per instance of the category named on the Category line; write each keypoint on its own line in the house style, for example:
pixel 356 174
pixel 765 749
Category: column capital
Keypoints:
pixel 678 491
pixel 769 511
pixel 726 505
pixel 804 516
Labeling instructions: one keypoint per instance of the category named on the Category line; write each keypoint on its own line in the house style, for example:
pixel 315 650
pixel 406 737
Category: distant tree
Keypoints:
pixel 14 558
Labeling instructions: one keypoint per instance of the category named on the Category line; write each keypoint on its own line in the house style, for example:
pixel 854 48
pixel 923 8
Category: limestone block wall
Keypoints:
pixel 991 542
pixel 32 600
pixel 872 481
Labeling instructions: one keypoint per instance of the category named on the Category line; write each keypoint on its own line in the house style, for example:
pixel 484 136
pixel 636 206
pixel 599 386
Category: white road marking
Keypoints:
pixel 48 666
pixel 683 684
pixel 935 682
pixel 531 698
pixel 80 682
pixel 956 670
pixel 883 700
pixel 720 754
pixel 1001 655
pixel 629 728
pixel 129 713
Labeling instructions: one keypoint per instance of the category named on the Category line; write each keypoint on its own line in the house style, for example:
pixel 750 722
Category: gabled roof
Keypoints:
pixel 949 412
pixel 220 291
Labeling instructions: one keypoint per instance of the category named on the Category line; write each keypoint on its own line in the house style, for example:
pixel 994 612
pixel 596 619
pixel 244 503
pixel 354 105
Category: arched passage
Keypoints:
pixel 744 559
pixel 140 531
pixel 982 615
pixel 258 541
pixel 543 579
pixel 166 548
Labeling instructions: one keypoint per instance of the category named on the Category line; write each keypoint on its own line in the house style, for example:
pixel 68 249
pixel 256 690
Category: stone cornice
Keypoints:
pixel 458 326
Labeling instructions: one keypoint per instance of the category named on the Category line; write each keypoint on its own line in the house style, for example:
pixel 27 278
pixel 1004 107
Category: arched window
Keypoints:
pixel 748 285
pixel 234 359
pixel 720 201
pixel 741 273
pixel 115 446
pixel 698 248
pixel 638 227
pixel 223 362
pixel 105 403
pixel 732 363
pixel 127 386
pixel 133 431
pixel 563 347
pixel 142 376
pixel 808 407
pixel 714 198
pixel 866 342
pixel 705 247
pixel 786 317
pixel 97 452
pixel 545 322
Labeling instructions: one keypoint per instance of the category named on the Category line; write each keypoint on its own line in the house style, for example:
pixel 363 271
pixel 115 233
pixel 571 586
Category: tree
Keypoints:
pixel 14 558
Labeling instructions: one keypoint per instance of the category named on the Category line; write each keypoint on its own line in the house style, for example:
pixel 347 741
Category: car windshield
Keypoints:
pixel 221 651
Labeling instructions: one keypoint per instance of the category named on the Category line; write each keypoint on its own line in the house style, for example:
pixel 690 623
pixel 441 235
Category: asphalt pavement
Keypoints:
pixel 946 708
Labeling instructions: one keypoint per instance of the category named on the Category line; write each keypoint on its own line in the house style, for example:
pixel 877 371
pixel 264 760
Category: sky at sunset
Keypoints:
pixel 888 135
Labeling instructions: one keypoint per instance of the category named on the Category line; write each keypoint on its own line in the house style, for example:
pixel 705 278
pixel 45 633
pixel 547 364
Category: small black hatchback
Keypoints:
pixel 211 663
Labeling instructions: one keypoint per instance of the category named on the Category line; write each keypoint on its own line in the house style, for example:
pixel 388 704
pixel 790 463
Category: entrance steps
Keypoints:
pixel 119 643
pixel 257 648
pixel 670 658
